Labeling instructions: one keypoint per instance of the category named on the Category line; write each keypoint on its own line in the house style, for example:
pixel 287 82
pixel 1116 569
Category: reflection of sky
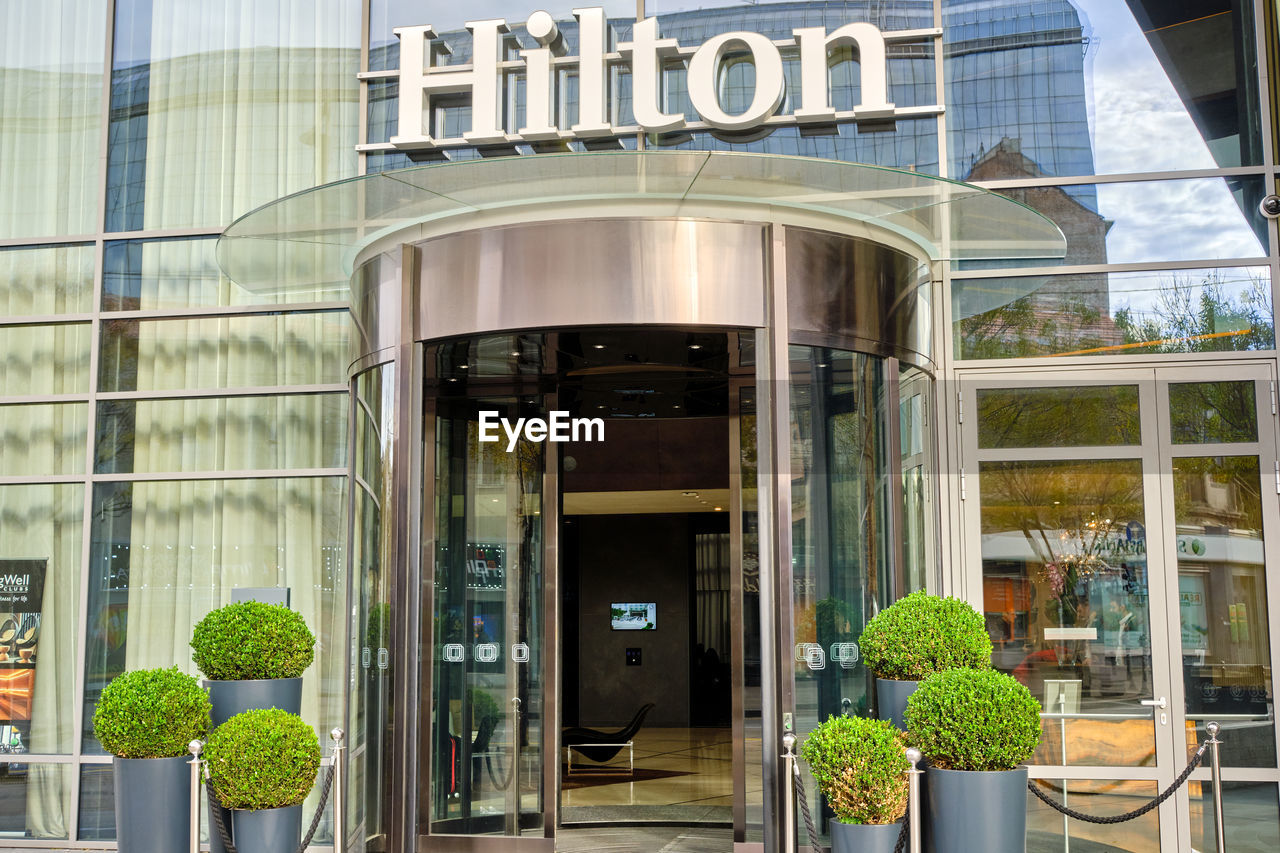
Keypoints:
pixel 449 16
pixel 1138 122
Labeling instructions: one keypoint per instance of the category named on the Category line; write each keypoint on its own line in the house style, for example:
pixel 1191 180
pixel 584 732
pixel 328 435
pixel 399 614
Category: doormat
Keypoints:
pixel 591 778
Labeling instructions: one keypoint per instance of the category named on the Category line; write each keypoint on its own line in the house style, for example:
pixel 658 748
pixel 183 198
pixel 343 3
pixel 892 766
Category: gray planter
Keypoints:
pixel 966 811
pixel 891 700
pixel 267 830
pixel 864 837
pixel 235 697
pixel 153 804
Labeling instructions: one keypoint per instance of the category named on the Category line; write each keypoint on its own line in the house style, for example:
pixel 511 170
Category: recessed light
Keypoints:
pixel 597 346
pixel 515 353
pixel 719 509
pixel 695 346
pixel 463 366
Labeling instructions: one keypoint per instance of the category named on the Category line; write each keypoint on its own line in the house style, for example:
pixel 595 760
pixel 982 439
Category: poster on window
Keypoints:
pixel 21 597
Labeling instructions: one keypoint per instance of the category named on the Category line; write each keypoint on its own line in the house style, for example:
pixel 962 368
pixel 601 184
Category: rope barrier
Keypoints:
pixel 215 809
pixel 1127 816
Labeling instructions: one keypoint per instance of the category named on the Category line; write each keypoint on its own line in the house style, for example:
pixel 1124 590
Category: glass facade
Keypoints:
pixel 167 435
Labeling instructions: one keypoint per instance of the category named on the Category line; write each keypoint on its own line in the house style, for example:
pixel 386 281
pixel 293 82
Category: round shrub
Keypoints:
pixel 263 759
pixel 251 640
pixel 860 767
pixel 921 634
pixel 973 719
pixel 151 713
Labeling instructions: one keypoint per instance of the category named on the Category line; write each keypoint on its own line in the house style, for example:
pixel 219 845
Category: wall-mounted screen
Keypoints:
pixel 642 616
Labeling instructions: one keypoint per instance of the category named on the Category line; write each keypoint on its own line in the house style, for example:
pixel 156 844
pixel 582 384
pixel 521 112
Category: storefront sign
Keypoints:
pixel 489 80
pixel 21 600
pixel 557 427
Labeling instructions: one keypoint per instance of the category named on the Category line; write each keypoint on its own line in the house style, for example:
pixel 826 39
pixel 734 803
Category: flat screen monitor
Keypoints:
pixel 634 616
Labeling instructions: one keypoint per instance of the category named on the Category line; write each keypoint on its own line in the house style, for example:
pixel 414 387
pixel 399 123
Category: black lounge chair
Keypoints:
pixel 610 743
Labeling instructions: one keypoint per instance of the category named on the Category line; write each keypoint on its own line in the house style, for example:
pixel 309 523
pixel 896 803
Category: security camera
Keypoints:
pixel 1270 206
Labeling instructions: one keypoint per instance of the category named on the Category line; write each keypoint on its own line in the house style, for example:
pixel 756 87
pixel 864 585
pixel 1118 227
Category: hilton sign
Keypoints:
pixel 487 79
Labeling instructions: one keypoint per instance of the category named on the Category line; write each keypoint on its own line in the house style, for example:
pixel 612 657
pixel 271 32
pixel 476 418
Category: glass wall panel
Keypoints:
pixel 97 803
pixel 163 554
pixel 1213 412
pixel 40 540
pixel 35 800
pixel 1049 832
pixel 49 359
pixel 1081 87
pixel 1114 313
pixel 221 433
pixel 36 440
pixel 1252 817
pixel 46 280
pixel 152 275
pixel 1141 222
pixel 1064 582
pixel 1222 597
pixel 218 109
pixel 841 512
pixel 224 352
pixel 51 59
pixel 1071 416
pixel 917 444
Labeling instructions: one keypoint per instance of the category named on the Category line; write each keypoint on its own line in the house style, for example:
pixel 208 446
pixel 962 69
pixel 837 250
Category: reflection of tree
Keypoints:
pixel 1026 328
pixel 1191 315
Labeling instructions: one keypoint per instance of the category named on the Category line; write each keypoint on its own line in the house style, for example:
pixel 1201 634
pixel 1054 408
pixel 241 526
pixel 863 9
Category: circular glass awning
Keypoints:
pixel 312 239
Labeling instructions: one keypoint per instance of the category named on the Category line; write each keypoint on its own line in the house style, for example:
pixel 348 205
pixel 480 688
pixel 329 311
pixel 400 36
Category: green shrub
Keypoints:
pixel 263 759
pixel 973 719
pixel 251 640
pixel 151 713
pixel 921 634
pixel 860 767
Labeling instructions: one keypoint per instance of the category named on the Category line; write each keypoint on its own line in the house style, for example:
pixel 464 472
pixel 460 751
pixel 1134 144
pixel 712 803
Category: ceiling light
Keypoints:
pixel 695 346
pixel 597 346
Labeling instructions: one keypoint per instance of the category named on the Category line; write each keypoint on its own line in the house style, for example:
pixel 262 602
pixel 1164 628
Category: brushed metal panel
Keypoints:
pixel 375 305
pixel 856 294
pixel 595 272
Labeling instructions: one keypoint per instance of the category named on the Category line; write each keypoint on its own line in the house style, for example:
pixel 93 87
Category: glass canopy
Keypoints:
pixel 312 238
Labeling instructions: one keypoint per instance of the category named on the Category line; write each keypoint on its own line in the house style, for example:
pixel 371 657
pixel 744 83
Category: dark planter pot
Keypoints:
pixel 235 697
pixel 967 811
pixel 864 837
pixel 267 830
pixel 891 699
pixel 153 804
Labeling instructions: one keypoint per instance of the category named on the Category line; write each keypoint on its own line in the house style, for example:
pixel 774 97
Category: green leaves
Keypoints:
pixel 969 719
pixel 921 634
pixel 151 713
pixel 251 640
pixel 264 759
pixel 860 768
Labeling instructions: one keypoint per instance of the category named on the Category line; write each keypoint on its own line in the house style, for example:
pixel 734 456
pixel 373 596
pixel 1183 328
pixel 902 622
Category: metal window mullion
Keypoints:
pixel 238 474
pixel 1057 454
pixel 1122 177
pixel 214 311
pixel 218 393
pixel 46 319
pixel 1132 266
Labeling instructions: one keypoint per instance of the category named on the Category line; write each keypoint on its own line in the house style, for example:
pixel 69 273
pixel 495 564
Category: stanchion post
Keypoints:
pixel 195 748
pixel 789 801
pixel 914 756
pixel 1219 819
pixel 339 837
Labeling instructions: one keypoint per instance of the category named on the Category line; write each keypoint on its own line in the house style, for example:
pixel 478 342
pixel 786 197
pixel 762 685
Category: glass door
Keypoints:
pixel 487 717
pixel 1219 513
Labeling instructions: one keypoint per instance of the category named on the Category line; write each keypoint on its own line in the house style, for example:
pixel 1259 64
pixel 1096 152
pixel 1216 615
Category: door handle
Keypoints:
pixel 1155 703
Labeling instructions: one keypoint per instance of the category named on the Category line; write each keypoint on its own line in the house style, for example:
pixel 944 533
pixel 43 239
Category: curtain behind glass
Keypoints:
pixel 225 105
pixel 51 57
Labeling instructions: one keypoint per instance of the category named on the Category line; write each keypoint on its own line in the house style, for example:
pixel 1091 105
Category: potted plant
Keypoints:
pixel 253 655
pixel 861 769
pixel 262 765
pixel 975 727
pixel 916 636
pixel 146 719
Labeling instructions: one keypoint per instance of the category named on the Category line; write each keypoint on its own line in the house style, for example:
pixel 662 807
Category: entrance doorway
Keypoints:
pixel 584 585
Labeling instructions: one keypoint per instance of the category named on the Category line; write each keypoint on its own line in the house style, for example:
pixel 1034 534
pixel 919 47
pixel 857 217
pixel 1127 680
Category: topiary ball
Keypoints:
pixel 263 759
pixel 921 634
pixel 251 640
pixel 973 719
pixel 151 713
pixel 860 768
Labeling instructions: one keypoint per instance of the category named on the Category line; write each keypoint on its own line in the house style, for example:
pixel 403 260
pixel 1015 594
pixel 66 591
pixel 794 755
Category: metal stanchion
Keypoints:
pixel 1219 820
pixel 789 801
pixel 195 748
pixel 339 839
pixel 913 799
